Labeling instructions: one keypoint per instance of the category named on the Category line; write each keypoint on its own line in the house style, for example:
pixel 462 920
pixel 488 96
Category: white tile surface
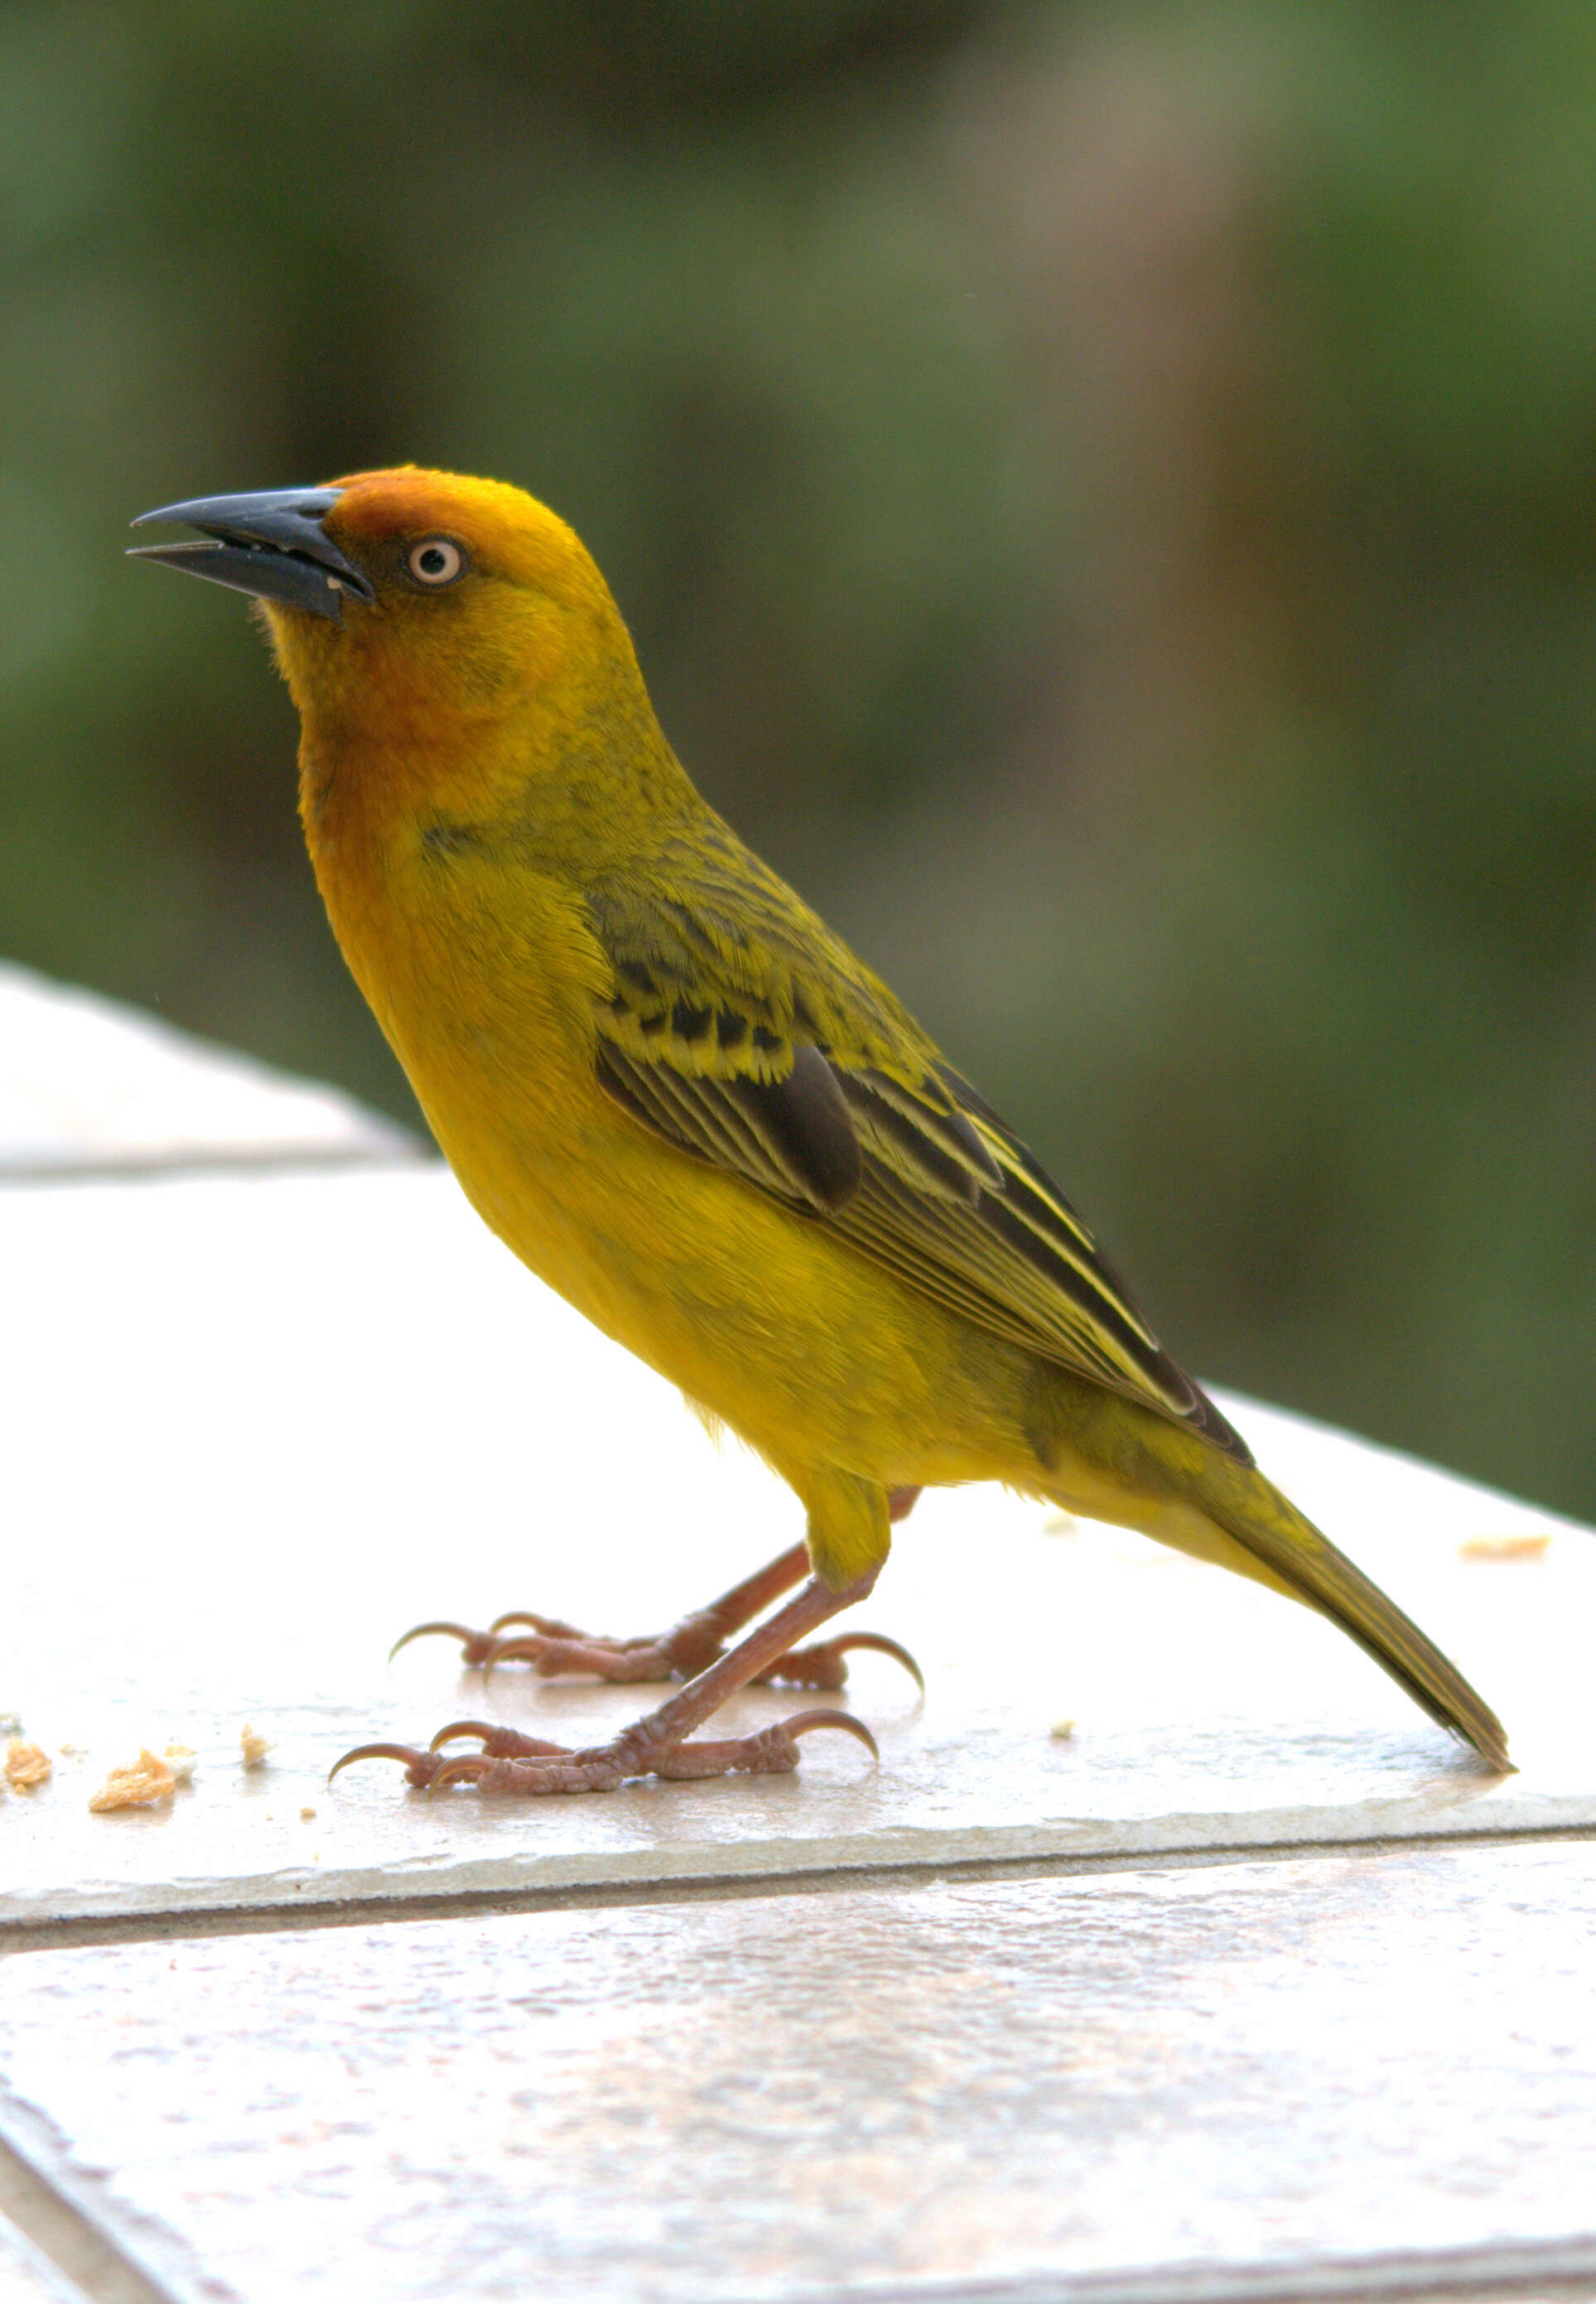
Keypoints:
pixel 85 1084
pixel 258 1425
pixel 801 2095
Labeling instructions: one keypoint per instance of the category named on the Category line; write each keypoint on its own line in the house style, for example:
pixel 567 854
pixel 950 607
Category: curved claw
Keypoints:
pixel 526 1649
pixel 499 1744
pixel 803 1722
pixel 883 1646
pixel 465 1769
pixel 483 1728
pixel 549 1626
pixel 462 1632
pixel 406 1753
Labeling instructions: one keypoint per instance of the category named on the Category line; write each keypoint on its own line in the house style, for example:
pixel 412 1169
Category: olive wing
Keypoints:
pixel 741 1031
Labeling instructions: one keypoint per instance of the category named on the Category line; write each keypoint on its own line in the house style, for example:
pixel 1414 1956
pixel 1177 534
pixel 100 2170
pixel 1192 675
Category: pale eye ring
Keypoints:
pixel 435 561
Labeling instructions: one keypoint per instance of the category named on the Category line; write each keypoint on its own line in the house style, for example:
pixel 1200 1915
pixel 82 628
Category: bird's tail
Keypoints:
pixel 1266 1524
pixel 1232 1515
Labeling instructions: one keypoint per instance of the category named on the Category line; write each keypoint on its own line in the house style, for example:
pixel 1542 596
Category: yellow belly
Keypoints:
pixel 761 1315
pixel 756 1312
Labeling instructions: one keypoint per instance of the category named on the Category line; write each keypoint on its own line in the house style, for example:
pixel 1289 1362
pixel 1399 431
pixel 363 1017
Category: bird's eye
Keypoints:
pixel 435 561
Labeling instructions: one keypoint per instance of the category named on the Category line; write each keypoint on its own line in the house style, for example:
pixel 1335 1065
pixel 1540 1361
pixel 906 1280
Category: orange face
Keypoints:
pixel 381 518
pixel 422 599
pixel 482 596
pixel 450 645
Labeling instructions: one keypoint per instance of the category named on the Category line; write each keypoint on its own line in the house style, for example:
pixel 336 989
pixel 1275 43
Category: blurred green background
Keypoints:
pixel 1106 498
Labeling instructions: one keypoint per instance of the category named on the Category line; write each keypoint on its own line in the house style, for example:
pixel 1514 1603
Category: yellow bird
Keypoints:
pixel 682 1100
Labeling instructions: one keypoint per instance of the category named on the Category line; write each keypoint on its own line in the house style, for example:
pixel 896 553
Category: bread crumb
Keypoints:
pixel 70 1752
pixel 1062 1730
pixel 254 1746
pixel 306 1816
pixel 1060 1523
pixel 148 1779
pixel 26 1764
pixel 180 1759
pixel 1504 1548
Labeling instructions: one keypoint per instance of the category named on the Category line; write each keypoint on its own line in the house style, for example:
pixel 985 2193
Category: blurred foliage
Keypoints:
pixel 1106 496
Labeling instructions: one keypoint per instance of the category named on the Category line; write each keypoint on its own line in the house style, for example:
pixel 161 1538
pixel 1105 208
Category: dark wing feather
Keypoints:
pixel 740 1029
pixel 792 1136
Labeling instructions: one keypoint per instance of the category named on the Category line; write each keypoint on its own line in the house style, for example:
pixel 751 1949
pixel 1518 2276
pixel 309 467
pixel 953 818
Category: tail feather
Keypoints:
pixel 1267 1526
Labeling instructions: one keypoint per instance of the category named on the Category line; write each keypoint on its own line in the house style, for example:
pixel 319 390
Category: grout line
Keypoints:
pixel 1526 2269
pixel 373 1912
pixel 77 2246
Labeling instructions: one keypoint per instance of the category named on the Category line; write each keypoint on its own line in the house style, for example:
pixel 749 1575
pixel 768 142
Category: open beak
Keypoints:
pixel 274 545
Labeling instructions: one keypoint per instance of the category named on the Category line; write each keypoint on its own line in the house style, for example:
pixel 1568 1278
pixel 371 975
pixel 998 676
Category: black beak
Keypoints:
pixel 272 546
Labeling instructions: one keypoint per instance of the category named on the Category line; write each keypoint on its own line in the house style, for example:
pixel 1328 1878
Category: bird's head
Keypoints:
pixel 437 599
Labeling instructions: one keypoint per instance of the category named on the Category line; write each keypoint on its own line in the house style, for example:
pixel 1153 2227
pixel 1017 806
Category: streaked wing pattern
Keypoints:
pixel 741 1057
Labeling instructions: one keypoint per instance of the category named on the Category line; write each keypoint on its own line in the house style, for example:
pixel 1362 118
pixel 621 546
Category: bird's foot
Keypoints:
pixel 552 1646
pixel 823 1665
pixel 525 1768
pixel 662 1743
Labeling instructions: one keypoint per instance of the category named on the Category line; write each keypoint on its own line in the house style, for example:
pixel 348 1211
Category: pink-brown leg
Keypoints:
pixel 552 1646
pixel 688 1648
pixel 656 1745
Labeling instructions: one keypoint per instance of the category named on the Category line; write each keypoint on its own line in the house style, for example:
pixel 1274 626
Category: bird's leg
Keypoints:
pixel 657 1744
pixel 823 1665
pixel 552 1646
